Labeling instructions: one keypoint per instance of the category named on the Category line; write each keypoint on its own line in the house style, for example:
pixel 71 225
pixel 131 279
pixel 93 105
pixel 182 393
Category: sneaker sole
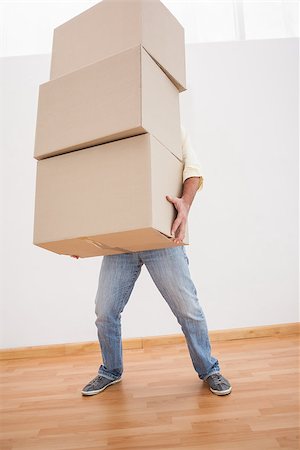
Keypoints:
pixel 102 389
pixel 221 392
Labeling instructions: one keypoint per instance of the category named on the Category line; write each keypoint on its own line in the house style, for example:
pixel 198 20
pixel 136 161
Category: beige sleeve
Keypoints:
pixel 192 166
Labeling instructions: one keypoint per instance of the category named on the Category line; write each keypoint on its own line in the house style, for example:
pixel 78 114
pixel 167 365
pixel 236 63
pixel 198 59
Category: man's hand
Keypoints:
pixel 179 224
pixel 182 205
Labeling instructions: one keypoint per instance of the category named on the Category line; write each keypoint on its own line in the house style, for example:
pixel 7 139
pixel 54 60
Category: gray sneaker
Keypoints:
pixel 218 384
pixel 97 385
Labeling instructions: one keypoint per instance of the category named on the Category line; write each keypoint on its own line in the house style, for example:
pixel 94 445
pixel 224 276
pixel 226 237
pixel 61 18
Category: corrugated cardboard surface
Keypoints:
pixel 91 201
pixel 113 26
pixel 118 97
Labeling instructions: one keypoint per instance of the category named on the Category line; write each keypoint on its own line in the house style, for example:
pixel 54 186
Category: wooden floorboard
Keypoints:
pixel 160 403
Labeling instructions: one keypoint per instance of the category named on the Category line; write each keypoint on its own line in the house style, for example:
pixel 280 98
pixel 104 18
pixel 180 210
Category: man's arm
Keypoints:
pixel 183 205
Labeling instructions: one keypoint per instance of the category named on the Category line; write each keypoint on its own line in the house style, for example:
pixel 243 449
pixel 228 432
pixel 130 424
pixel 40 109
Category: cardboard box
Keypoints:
pixel 107 199
pixel 118 97
pixel 113 26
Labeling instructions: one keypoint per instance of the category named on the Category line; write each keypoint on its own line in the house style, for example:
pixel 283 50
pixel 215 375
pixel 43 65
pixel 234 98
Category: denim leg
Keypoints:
pixel 117 277
pixel 170 272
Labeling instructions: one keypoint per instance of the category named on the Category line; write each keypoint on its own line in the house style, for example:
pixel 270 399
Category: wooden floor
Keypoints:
pixel 160 403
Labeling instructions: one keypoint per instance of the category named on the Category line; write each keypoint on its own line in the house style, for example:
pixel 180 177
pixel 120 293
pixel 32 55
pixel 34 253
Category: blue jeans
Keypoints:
pixel 169 270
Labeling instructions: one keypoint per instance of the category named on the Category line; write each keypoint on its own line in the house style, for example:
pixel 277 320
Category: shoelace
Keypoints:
pixel 217 377
pixel 91 383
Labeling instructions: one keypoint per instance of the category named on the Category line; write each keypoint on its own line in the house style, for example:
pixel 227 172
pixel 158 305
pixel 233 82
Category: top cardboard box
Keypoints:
pixel 113 26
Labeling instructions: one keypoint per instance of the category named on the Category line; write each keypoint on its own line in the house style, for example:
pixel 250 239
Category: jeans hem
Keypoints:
pixel 210 375
pixel 107 377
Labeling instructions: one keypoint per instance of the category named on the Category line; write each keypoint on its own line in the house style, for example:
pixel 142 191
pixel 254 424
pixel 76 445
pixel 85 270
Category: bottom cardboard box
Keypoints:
pixel 112 244
pixel 107 199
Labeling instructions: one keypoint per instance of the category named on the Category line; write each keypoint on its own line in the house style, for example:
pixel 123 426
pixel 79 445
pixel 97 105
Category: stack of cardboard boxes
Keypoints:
pixel 108 139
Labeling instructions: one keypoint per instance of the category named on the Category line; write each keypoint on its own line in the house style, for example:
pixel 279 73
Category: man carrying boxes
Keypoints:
pixel 112 158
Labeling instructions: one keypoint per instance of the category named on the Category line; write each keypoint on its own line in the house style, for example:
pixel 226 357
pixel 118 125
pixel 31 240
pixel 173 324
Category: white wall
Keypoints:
pixel 27 26
pixel 241 112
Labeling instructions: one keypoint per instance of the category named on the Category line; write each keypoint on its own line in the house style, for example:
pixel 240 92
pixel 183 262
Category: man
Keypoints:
pixel 170 272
